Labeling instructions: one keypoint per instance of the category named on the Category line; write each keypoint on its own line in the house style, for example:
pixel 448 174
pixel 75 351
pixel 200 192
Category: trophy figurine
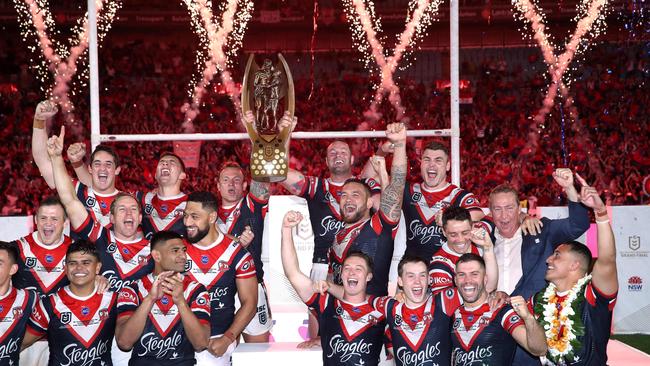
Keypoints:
pixel 268 92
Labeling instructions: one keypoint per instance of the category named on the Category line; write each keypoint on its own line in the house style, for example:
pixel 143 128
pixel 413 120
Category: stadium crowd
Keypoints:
pixel 141 92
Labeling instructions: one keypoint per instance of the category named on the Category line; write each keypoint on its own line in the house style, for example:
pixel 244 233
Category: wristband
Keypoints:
pixel 601 213
pixel 39 124
pixel 602 221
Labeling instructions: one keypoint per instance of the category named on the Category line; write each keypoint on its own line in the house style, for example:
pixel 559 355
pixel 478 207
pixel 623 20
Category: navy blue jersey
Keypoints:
pixel 98 205
pixel 122 262
pixel 162 213
pixel 217 267
pixel 421 335
pixel 597 319
pixel 484 337
pixel 79 330
pixel 15 308
pixel 163 341
pixel 323 197
pixel 40 267
pixel 351 334
pixel 375 237
pixel 442 268
pixel 423 235
pixel 249 211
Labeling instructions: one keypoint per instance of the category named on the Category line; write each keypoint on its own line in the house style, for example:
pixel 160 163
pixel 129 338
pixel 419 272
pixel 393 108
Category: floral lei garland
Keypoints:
pixel 567 321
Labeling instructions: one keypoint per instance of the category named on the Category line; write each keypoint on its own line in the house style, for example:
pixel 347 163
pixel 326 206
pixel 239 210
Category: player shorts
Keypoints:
pixel 205 358
pixel 318 271
pixel 261 322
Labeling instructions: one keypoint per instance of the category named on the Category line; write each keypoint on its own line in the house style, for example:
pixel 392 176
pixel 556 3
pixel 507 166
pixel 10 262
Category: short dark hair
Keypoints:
pixel 456 213
pixel 436 145
pixel 83 247
pixel 362 182
pixel 471 257
pixel 12 251
pixel 410 258
pixel 583 253
pixel 207 200
pixel 106 149
pixel 504 188
pixel 162 237
pixel 169 153
pixel 122 195
pixel 53 201
pixel 359 254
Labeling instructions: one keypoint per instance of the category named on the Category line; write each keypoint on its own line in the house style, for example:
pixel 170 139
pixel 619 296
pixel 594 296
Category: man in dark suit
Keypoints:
pixel 521 258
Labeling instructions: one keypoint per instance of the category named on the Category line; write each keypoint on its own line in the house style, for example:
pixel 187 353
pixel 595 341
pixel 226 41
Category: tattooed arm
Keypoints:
pixel 294 182
pixel 260 190
pixel 391 195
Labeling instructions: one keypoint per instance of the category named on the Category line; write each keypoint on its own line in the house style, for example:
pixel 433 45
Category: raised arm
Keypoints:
pixel 384 149
pixel 531 335
pixel 604 275
pixel 577 223
pixel 45 110
pixel 482 238
pixel 301 283
pixel 76 153
pixel 392 195
pixel 73 207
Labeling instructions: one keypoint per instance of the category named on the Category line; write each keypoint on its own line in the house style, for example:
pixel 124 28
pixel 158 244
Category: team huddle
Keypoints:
pixel 168 278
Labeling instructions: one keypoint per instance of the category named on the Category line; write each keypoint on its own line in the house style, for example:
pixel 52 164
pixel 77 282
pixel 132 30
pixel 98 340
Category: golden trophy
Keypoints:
pixel 268 92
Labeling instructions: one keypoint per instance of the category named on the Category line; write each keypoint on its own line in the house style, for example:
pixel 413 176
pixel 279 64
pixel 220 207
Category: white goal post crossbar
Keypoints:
pixel 454 132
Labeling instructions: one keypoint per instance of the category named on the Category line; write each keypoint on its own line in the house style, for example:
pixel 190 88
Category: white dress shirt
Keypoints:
pixel 508 255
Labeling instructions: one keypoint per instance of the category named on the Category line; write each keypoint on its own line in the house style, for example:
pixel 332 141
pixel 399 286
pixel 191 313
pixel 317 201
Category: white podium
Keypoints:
pixel 279 353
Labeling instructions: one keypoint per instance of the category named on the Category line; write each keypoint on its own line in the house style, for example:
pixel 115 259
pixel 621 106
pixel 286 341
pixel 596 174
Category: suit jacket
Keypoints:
pixel 534 251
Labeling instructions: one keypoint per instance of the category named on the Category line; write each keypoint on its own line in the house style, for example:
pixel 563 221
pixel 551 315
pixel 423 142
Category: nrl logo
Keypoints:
pixel 111 248
pixel 148 209
pixel 66 317
pixel 416 196
pixel 90 201
pixel 188 265
pixel 30 262
pixel 634 242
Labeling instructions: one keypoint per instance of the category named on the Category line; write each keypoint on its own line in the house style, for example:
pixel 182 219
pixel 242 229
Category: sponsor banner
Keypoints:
pixel 632 233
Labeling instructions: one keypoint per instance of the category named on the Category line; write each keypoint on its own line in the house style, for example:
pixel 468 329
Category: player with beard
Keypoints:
pixel 461 238
pixel 163 207
pixel 16 305
pixel 481 335
pixel 322 196
pixel 424 203
pixel 124 252
pixel 78 319
pixel 224 267
pixel 585 299
pixel 42 252
pixel 373 235
pixel 164 316
pixel 351 329
pixel 95 187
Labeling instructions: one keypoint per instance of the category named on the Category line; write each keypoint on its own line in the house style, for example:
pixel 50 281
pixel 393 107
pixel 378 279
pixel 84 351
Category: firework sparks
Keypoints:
pixel 364 22
pixel 55 58
pixel 218 44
